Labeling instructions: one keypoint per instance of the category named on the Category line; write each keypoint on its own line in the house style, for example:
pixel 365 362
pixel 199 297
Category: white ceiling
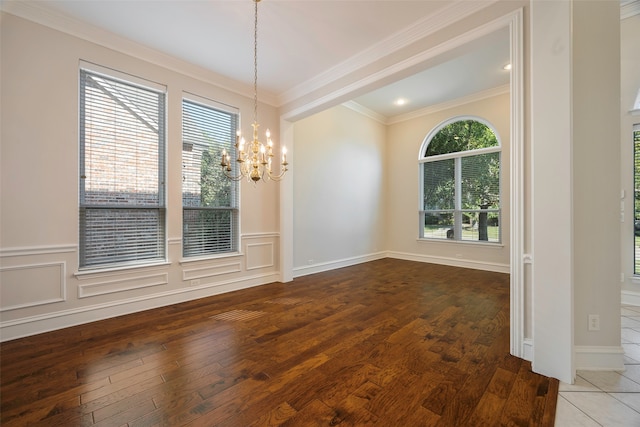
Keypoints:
pixel 299 42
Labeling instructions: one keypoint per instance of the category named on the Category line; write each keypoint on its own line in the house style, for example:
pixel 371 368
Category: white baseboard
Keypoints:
pixel 599 358
pixel 33 325
pixel 454 262
pixel 527 349
pixel 630 298
pixel 332 265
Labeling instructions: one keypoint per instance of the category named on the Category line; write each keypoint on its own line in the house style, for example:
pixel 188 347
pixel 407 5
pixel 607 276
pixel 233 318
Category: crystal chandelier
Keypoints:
pixel 254 160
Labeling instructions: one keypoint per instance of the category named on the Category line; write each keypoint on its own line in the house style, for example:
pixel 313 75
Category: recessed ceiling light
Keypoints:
pixel 400 101
pixel 507 67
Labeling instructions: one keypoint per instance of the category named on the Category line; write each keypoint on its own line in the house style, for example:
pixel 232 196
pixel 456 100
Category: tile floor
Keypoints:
pixel 609 399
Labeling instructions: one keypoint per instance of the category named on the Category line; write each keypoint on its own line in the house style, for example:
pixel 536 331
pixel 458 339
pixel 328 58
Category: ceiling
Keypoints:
pixel 300 42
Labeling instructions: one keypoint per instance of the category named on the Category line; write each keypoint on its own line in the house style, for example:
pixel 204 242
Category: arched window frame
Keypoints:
pixel 457 211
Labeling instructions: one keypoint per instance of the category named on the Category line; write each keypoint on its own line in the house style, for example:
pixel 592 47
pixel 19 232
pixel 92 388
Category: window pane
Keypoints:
pixel 122 140
pixel 459 136
pixel 480 226
pixel 120 235
pixel 208 231
pixel 207 132
pixel 480 181
pixel 439 185
pixel 438 225
pixel 122 137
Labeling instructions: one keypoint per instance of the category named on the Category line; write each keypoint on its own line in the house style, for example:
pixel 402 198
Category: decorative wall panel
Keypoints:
pixel 23 286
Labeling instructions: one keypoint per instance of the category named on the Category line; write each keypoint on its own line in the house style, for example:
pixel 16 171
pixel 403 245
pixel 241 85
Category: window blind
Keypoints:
pixel 439 185
pixel 480 181
pixel 122 200
pixel 209 198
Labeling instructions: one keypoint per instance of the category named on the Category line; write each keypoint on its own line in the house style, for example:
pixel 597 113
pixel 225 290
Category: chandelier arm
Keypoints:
pixel 279 177
pixel 233 177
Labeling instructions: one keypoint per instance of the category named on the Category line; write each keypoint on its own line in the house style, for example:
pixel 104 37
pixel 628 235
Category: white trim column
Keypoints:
pixel 286 205
pixel 552 187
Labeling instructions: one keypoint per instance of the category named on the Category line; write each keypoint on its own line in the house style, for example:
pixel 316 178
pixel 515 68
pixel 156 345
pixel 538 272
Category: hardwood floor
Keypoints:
pixel 388 343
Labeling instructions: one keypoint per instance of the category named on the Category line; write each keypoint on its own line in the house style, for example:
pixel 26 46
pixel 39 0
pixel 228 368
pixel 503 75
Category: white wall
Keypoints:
pixel 41 287
pixel 339 193
pixel 403 150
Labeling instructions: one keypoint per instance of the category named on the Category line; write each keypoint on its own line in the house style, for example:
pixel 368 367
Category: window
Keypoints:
pixel 460 183
pixel 636 205
pixel 122 197
pixel 209 199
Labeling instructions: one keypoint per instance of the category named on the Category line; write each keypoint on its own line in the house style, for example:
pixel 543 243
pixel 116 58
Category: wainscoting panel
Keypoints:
pixel 201 272
pixel 35 276
pixel 125 283
pixel 29 285
pixel 259 255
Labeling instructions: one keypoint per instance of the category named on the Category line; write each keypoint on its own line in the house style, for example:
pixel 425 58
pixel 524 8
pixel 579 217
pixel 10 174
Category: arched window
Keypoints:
pixel 460 182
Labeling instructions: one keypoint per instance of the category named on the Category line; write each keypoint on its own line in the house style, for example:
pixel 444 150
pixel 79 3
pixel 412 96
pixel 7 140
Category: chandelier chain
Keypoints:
pixel 255 63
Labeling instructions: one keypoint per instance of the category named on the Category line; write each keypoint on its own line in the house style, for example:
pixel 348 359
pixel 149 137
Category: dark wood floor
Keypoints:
pixel 388 343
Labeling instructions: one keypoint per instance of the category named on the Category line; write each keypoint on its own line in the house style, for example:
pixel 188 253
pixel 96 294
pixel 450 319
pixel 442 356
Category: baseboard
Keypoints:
pixel 527 349
pixel 454 262
pixel 332 265
pixel 33 325
pixel 630 298
pixel 599 358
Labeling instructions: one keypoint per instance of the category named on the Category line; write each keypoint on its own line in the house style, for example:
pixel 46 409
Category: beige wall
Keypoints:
pixel 41 289
pixel 596 149
pixel 404 141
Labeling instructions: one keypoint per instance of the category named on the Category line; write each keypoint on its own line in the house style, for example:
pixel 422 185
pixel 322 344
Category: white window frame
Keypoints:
pixel 161 240
pixel 235 186
pixel 636 251
pixel 457 156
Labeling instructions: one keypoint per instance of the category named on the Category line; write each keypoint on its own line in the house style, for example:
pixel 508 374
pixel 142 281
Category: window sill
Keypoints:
pixel 462 242
pixel 210 257
pixel 92 272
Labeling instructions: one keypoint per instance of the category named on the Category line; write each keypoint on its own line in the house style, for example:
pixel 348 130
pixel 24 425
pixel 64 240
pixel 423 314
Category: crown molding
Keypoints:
pixel 478 96
pixel 629 8
pixel 34 12
pixel 432 109
pixel 449 14
pixel 359 108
